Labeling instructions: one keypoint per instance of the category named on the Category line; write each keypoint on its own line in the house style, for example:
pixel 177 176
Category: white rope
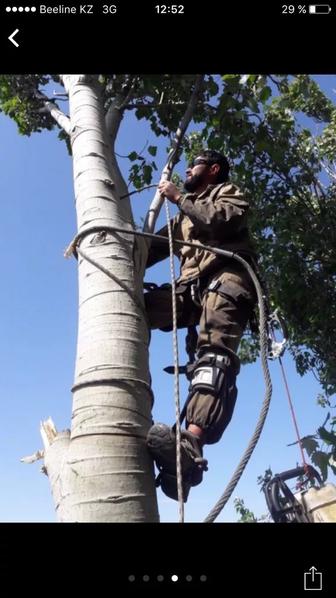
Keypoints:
pixel 176 370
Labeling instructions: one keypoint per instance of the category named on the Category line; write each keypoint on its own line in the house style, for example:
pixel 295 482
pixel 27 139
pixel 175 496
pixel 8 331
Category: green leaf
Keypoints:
pixel 152 149
pixel 147 174
pixel 246 516
pixel 328 437
pixel 261 145
pixel 265 94
pixel 321 460
pixel 229 77
pixel 310 444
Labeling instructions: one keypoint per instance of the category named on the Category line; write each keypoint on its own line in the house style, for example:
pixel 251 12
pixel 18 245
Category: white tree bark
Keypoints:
pixel 62 120
pixel 113 121
pixel 102 472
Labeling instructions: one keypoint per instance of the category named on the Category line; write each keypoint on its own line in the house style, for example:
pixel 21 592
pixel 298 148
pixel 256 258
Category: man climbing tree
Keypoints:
pixel 101 470
pixel 213 291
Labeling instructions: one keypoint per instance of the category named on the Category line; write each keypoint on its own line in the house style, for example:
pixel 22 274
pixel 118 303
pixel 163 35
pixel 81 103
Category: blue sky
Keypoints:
pixel 38 306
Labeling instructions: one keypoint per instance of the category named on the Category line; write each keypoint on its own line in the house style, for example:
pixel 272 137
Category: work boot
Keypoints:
pixel 161 442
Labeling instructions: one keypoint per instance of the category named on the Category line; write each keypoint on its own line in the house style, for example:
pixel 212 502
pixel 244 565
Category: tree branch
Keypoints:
pixel 288 180
pixel 155 105
pixel 113 120
pixel 62 120
pixel 115 112
pixel 156 204
pixel 125 103
pixel 328 170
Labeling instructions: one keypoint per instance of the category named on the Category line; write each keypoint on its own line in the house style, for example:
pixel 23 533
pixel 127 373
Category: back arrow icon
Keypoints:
pixel 11 38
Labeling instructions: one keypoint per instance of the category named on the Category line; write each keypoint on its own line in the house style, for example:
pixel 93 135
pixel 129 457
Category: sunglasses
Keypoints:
pixel 198 161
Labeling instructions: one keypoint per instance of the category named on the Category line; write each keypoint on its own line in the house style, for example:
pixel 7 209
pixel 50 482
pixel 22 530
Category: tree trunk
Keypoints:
pixel 103 473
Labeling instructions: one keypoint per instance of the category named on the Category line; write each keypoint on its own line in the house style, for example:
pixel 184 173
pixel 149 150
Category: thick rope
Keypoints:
pixel 265 406
pixel 176 369
pixel 263 345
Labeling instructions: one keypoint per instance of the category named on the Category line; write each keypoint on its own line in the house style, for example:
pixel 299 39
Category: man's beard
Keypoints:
pixel 193 183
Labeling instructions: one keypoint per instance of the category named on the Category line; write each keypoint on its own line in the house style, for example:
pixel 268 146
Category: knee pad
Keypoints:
pixel 210 374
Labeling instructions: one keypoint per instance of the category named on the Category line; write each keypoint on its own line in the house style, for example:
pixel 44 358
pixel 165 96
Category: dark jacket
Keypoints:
pixel 216 217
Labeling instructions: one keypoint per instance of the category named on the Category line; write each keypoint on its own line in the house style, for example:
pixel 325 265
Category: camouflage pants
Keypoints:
pixel 222 318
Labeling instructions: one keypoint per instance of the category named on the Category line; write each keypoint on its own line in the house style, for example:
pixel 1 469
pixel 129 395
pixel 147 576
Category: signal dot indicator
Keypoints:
pixel 20 9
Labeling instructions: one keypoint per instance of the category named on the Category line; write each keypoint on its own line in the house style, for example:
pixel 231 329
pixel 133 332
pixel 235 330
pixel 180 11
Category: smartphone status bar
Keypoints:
pixel 306 9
